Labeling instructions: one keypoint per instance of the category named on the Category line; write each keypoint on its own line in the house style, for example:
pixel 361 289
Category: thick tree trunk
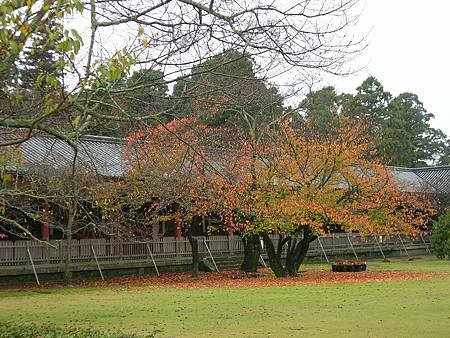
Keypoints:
pixel 195 257
pixel 295 253
pixel 297 256
pixel 274 257
pixel 298 251
pixel 252 252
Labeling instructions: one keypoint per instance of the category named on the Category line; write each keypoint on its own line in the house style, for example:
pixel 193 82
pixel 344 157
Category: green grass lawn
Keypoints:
pixel 375 309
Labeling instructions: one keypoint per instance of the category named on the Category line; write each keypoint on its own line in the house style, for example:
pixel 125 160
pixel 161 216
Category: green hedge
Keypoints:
pixel 17 330
pixel 441 236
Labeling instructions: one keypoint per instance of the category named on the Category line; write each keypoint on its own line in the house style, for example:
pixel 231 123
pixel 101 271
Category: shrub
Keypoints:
pixel 19 330
pixel 441 236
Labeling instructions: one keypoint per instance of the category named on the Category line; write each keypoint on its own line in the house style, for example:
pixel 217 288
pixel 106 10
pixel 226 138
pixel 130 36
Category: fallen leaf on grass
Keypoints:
pixel 236 278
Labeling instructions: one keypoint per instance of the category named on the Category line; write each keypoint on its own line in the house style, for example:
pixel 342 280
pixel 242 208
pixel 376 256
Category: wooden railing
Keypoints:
pixel 17 253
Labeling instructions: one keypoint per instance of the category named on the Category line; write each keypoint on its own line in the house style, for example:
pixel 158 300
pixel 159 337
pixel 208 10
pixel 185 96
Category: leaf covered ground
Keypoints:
pixel 397 270
pixel 236 278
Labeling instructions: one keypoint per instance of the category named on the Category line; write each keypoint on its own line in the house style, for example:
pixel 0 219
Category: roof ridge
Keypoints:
pixel 436 167
pixel 106 139
pixel 36 133
pixel 397 167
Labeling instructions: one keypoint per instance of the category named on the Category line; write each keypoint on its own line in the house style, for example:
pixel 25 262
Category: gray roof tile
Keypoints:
pixel 104 156
pixel 437 177
pixel 410 182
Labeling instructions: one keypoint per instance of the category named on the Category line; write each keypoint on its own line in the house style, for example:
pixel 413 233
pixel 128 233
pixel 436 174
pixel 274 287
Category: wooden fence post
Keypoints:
pixel 177 246
pixel 61 252
pixel 230 243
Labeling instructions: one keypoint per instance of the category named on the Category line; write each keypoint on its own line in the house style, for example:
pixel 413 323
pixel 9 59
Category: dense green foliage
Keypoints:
pixel 143 94
pixel 223 91
pixel 401 124
pixel 441 236
pixel 34 63
pixel 149 92
pixel 226 91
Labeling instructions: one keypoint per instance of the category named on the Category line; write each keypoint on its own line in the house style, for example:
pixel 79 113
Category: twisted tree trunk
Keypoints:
pixel 295 253
pixel 252 252
pixel 298 250
pixel 275 257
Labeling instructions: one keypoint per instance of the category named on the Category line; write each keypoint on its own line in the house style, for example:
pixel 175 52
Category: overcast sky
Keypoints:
pixel 409 51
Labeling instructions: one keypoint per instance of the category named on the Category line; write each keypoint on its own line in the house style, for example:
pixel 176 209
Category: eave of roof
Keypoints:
pixel 104 157
pixel 438 177
pixel 98 155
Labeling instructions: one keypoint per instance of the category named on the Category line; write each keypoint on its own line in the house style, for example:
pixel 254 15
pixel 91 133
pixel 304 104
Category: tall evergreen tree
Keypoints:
pixel 143 94
pixel 408 128
pixel 322 107
pixel 400 125
pixel 35 74
pixel 370 102
pixel 149 94
pixel 226 91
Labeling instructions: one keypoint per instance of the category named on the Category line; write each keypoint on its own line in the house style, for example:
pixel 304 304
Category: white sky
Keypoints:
pixel 409 51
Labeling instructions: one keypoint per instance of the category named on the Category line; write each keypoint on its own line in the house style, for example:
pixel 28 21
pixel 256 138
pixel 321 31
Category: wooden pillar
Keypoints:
pixel 204 225
pixel 114 227
pixel 177 237
pixel 155 231
pixel 177 223
pixel 45 229
pixel 177 228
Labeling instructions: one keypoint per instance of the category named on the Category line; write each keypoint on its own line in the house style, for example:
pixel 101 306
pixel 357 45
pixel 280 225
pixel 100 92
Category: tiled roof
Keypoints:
pixel 437 177
pixel 410 181
pixel 102 156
